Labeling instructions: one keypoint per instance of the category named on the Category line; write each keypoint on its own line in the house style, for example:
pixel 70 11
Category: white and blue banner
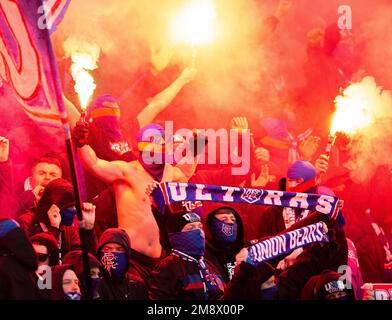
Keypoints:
pixel 171 192
pixel 285 243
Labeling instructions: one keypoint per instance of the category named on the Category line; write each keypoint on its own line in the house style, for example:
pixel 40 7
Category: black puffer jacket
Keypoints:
pixel 18 264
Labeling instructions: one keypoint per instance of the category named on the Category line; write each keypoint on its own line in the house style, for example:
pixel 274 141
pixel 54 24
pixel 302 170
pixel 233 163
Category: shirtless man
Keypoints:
pixel 130 181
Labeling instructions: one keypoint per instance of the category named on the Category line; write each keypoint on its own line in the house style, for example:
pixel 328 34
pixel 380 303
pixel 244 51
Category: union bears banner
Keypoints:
pixel 282 244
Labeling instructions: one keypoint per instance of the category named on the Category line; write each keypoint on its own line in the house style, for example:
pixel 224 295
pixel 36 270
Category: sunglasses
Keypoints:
pixel 42 256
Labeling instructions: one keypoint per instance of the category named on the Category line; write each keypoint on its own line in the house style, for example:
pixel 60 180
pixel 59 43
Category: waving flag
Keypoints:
pixel 27 65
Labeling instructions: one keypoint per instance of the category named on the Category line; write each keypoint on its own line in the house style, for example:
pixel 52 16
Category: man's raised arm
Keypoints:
pixel 109 171
pixel 164 98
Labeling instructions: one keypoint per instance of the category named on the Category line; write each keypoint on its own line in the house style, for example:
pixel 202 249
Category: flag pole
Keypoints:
pixel 70 155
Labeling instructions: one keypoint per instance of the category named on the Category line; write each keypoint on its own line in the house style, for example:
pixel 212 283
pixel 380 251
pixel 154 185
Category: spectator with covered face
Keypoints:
pixel 55 213
pixel 118 282
pixel 185 274
pixel 225 238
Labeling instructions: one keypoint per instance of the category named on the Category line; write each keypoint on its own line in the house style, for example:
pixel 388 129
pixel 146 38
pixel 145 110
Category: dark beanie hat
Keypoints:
pixel 327 283
pixel 115 235
pixel 176 221
pixel 6 226
pixel 49 241
pixel 59 192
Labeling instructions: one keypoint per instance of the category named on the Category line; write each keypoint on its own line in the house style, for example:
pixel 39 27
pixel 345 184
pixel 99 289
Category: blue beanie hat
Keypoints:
pixel 149 132
pixel 301 169
pixel 6 226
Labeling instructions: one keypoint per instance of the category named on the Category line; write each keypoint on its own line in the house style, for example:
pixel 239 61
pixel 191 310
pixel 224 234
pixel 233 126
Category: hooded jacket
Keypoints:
pixel 57 292
pixel 314 259
pixel 75 258
pixel 128 287
pixel 47 240
pixel 222 256
pixel 60 193
pixel 18 280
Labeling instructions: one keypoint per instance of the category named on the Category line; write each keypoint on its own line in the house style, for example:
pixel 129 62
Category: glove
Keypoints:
pixel 80 133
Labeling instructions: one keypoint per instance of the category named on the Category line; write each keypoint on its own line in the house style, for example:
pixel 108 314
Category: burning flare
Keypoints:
pixel 195 24
pixel 84 57
pixel 355 108
pixel 364 112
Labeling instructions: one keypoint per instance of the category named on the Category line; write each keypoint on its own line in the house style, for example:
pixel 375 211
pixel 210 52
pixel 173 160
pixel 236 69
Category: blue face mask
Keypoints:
pixel 189 242
pixel 224 232
pixel 115 263
pixel 67 216
pixel 73 296
pixel 269 293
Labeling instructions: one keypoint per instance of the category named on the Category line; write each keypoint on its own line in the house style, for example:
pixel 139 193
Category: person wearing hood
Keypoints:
pixel 18 263
pixel 75 258
pixel 224 239
pixel 118 282
pixel 327 286
pixel 314 259
pixel 46 249
pixel 301 176
pixel 65 283
pixel 55 213
pixel 185 274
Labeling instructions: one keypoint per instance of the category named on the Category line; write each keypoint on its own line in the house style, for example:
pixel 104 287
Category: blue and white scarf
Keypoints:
pixel 171 192
pixel 280 245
